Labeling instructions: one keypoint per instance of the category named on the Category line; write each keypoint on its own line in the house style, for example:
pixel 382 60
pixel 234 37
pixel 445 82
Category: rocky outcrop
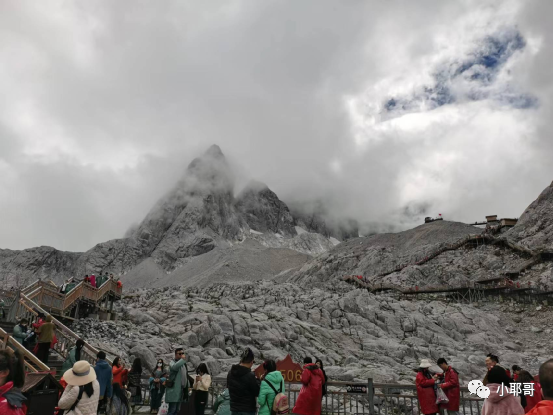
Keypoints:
pixel 263 211
pixel 19 268
pixel 534 228
pixel 358 335
pixel 371 256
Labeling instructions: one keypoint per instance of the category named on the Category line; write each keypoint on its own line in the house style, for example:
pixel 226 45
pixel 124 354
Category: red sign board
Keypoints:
pixel 291 371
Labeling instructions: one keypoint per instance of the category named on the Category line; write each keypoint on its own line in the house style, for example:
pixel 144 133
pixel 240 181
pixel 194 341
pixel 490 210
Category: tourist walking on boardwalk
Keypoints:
pixel 319 363
pixel 12 378
pixel 500 401
pixel 545 407
pixel 46 334
pixel 105 377
pixel 119 372
pixel 74 356
pixel 201 386
pixel 82 392
pixel 135 374
pixel 20 332
pixel 157 386
pixel 243 386
pixel 425 389
pixel 450 386
pixel 272 383
pixel 221 406
pixel 533 399
pixel 177 383
pixel 311 392
pixel 93 280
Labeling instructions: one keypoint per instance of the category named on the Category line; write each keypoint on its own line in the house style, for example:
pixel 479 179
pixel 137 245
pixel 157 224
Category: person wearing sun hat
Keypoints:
pixel 82 392
pixel 425 388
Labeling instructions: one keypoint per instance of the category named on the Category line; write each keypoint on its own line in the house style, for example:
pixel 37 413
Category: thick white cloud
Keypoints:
pixel 103 104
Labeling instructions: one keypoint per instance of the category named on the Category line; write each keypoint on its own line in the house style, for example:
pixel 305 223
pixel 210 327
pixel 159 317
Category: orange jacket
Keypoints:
pixel 119 374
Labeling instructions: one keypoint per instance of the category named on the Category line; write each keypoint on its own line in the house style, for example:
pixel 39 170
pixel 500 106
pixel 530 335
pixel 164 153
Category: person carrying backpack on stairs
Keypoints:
pixel 82 392
pixel 272 394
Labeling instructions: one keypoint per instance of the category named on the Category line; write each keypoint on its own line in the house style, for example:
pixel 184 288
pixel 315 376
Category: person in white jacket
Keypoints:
pixel 201 388
pixel 82 393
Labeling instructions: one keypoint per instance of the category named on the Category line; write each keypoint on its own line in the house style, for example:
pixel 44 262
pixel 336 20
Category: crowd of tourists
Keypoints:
pixel 93 280
pixel 112 389
pixel 39 337
pixel 510 393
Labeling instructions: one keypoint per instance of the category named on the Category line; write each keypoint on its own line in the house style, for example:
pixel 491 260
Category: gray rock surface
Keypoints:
pixel 534 228
pixel 357 334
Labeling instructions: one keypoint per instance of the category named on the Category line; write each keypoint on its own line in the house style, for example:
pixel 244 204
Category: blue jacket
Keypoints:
pixel 105 377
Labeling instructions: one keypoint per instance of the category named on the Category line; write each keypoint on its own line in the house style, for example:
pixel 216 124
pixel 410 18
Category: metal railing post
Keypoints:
pixel 370 394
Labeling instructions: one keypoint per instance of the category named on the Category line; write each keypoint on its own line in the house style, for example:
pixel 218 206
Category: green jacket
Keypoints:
pixel 267 394
pixel 177 370
pixel 19 333
pixel 69 362
pixel 221 406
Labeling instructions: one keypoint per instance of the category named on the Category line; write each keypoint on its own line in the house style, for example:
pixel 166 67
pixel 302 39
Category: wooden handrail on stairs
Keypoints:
pixel 66 337
pixel 32 363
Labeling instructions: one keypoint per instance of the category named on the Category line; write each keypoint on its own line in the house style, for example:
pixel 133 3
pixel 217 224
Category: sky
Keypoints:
pixel 386 111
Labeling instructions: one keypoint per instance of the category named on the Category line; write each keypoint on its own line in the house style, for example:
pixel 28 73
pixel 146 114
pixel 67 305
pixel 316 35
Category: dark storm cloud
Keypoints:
pixel 104 104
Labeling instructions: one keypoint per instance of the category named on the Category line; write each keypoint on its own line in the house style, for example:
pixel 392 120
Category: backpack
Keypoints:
pixel 62 411
pixel 280 404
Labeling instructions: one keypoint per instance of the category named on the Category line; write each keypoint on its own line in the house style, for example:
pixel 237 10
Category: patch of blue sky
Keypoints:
pixel 477 72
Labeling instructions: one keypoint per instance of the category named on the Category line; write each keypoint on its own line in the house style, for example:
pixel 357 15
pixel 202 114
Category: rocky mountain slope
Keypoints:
pixel 377 257
pixel 534 228
pixel 357 334
pixel 199 216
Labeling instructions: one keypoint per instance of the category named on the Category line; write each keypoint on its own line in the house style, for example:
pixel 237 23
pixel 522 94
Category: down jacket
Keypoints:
pixel 496 404
pixel 243 388
pixel 11 400
pixel 451 389
pixel 542 408
pixel 311 393
pixel 88 405
pixel 426 394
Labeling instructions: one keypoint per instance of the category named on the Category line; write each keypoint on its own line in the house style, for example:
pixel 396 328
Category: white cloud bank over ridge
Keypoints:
pixel 388 112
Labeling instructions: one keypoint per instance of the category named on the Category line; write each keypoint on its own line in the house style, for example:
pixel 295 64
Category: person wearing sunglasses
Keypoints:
pixel 177 383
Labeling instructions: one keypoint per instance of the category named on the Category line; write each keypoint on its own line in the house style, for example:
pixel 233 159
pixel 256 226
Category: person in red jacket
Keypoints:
pixel 533 399
pixel 450 387
pixel 119 371
pixel 425 389
pixel 311 393
pixel 516 371
pixel 12 377
pixel 545 407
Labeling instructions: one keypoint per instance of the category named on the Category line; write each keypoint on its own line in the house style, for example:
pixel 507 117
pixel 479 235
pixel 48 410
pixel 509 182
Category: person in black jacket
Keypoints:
pixel 243 386
pixel 319 363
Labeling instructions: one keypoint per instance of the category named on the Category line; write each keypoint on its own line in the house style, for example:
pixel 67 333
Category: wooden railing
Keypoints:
pixel 32 364
pixel 66 337
pixel 47 295
pixel 90 293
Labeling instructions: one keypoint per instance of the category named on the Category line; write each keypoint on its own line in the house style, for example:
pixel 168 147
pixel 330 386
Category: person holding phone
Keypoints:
pixel 201 388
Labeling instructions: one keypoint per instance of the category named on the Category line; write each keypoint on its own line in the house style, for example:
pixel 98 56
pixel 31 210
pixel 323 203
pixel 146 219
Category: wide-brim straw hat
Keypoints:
pixel 81 374
pixel 425 363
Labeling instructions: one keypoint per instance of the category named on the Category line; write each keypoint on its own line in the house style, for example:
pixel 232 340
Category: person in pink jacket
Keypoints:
pixel 500 401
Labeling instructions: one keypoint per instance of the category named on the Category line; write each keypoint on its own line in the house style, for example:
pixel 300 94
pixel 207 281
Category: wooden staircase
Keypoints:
pixel 44 297
pixel 47 295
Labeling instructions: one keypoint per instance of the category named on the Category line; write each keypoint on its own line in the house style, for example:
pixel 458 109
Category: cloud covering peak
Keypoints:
pixel 386 112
